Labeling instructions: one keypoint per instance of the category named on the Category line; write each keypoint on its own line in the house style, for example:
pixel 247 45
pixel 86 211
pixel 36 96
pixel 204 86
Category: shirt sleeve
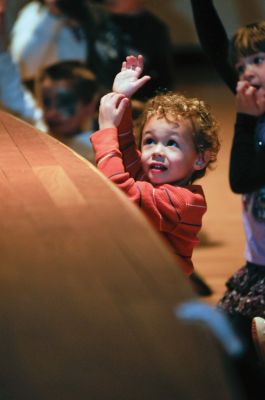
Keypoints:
pixel 247 166
pixel 130 153
pixel 31 37
pixel 214 40
pixel 13 95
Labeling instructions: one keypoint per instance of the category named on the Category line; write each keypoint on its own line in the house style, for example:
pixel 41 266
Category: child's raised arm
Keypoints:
pixel 128 80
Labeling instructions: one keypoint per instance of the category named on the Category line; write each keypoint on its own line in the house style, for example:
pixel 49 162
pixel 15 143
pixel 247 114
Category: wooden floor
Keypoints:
pixel 221 251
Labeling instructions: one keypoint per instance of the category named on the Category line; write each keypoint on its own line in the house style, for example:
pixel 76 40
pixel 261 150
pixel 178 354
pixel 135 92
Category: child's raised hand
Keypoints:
pixel 111 110
pixel 250 100
pixel 128 81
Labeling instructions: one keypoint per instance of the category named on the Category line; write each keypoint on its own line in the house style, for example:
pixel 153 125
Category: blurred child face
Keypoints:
pixel 168 151
pixel 63 112
pixel 252 69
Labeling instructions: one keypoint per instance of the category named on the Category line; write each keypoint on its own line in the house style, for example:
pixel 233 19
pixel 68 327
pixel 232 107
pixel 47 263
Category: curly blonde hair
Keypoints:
pixel 175 106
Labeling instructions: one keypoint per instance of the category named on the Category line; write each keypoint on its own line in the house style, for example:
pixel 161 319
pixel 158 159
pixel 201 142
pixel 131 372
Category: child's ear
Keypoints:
pixel 202 160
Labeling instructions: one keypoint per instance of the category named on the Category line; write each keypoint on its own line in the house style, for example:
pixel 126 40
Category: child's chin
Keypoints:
pixel 157 180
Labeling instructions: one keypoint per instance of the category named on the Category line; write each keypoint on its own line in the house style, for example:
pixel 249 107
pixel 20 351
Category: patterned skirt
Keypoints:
pixel 245 294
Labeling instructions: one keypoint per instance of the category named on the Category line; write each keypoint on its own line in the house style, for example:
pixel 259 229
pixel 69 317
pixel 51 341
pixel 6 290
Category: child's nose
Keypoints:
pixel 158 153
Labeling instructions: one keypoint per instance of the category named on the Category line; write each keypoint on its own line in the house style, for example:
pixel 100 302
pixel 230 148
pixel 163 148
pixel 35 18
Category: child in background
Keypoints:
pixel 178 141
pixel 244 299
pixel 244 60
pixel 67 94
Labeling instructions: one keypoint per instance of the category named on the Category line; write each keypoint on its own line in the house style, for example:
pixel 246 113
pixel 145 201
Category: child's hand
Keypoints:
pixel 127 82
pixel 250 100
pixel 111 110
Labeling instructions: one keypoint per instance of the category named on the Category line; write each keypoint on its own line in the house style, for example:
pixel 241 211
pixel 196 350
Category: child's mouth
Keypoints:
pixel 158 167
pixel 256 86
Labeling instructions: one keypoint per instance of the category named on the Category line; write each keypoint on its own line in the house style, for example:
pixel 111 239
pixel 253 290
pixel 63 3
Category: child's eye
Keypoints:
pixel 258 60
pixel 172 143
pixel 148 141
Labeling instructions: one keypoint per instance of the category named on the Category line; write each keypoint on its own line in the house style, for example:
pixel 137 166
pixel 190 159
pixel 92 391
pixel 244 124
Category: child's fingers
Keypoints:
pixel 140 61
pixel 140 82
pixel 261 101
pixel 242 86
pixel 111 99
pixel 131 62
pixel 122 105
pixel 123 66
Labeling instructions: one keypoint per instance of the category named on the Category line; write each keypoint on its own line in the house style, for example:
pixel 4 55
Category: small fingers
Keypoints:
pixel 135 63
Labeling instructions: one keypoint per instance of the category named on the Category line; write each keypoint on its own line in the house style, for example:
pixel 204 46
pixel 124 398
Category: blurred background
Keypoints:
pixel 177 14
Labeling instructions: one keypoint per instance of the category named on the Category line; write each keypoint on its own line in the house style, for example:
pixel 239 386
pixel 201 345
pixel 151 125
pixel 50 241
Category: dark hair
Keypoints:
pixel 247 40
pixel 76 9
pixel 83 81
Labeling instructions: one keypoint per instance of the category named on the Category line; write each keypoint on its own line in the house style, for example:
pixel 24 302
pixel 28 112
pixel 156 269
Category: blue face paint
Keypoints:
pixel 64 101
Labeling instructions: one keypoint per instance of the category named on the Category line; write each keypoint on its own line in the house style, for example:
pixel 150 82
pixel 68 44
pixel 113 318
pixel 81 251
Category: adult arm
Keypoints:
pixel 13 96
pixel 247 166
pixel 213 39
pixel 31 38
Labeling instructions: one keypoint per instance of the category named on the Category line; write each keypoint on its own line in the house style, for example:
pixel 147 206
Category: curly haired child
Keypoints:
pixel 179 143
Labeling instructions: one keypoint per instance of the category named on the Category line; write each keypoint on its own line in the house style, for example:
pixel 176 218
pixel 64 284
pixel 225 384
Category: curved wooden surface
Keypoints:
pixel 88 289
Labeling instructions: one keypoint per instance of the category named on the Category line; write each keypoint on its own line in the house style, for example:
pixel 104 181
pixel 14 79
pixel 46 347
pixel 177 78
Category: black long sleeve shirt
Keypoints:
pixel 247 164
pixel 214 40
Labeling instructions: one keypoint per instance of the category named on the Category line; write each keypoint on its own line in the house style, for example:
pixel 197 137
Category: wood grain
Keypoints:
pixel 88 289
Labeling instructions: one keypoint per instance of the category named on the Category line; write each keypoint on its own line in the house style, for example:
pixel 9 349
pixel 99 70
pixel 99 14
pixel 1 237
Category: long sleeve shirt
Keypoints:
pixel 247 176
pixel 39 39
pixel 175 211
pixel 13 96
pixel 214 40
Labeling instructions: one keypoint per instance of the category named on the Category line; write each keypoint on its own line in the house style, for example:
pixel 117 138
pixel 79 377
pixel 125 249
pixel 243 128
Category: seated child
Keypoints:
pixel 178 141
pixel 66 92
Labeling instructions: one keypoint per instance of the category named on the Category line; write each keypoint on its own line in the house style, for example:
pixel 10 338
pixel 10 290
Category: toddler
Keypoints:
pixel 179 142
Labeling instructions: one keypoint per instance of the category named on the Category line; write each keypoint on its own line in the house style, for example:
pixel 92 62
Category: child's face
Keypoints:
pixel 63 112
pixel 168 151
pixel 252 69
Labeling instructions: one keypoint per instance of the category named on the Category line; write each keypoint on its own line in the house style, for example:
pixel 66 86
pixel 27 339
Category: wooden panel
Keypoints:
pixel 88 289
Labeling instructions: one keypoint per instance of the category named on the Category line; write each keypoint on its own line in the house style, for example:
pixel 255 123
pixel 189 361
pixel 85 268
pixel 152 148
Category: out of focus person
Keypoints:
pixel 13 95
pixel 129 28
pixel 48 31
pixel 67 95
